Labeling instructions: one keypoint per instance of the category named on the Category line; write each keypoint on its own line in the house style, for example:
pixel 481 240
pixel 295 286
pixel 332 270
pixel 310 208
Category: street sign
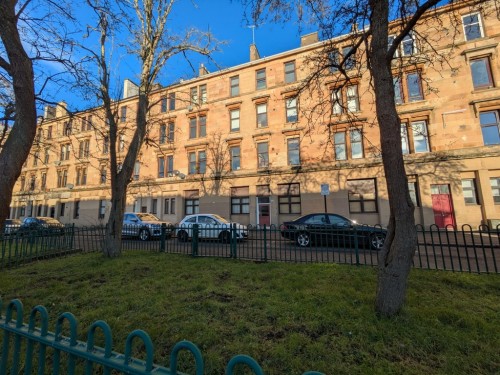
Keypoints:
pixel 325 189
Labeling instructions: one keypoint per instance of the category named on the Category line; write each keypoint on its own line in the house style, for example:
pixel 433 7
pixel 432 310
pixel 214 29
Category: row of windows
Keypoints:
pixel 469 188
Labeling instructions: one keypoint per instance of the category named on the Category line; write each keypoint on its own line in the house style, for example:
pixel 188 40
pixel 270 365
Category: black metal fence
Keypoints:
pixel 461 250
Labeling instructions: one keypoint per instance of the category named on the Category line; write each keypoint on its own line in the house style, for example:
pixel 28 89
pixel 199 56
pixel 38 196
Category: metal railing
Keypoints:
pixel 460 250
pixel 28 348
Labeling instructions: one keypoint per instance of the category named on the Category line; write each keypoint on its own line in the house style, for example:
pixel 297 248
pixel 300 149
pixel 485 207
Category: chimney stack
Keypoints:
pixel 61 109
pixel 254 52
pixel 129 89
pixel 308 39
pixel 203 70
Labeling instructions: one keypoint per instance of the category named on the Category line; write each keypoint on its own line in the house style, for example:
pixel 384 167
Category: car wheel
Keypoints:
pixel 377 240
pixel 144 235
pixel 182 236
pixel 303 239
pixel 225 237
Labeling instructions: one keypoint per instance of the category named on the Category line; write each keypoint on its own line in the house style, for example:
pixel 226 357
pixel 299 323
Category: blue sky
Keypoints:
pixel 226 20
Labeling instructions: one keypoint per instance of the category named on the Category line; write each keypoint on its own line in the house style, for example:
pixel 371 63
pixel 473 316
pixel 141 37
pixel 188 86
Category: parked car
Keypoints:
pixel 11 227
pixel 47 225
pixel 325 228
pixel 143 226
pixel 209 226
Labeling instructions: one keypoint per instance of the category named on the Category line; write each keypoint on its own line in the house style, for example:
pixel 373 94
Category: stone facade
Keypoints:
pixel 244 142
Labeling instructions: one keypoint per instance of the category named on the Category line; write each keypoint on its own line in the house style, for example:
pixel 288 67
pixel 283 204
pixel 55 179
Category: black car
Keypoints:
pixel 11 227
pixel 46 225
pixel 326 229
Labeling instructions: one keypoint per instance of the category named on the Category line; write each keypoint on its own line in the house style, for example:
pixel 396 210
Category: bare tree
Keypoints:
pixel 153 44
pixel 32 32
pixel 366 26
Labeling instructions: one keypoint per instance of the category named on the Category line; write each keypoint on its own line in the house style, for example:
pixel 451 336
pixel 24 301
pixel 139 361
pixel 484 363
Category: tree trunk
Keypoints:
pixel 395 258
pixel 18 144
pixel 113 241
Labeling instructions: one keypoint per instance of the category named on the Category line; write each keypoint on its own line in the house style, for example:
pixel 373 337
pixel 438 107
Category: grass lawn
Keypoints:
pixel 289 317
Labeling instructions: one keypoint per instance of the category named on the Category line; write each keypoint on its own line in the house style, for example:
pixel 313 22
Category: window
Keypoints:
pixel 398 93
pixel 197 162
pixel 84 149
pixel 46 158
pixel 49 132
pixel 235 120
pixel 289 198
pixel 356 138
pixel 414 87
pixel 291 109
pixel 103 175
pixel 154 206
pixel 23 183
pixel 340 146
pixel 334 60
pixel 240 200
pixel 404 139
pixel 163 104
pixel 121 144
pixel 32 182
pixel 203 94
pixel 347 95
pixel 102 208
pixel 197 127
pixel 362 195
pixel 171 132
pixel 413 189
pixel 191 202
pixel 390 41
pixel 349 62
pixel 137 168
pixel 260 76
pixel 76 210
pixel 161 167
pixel 105 145
pixel 420 139
pixel 43 183
pixel 123 113
pixel 235 85
pixel 495 189
pixel 62 209
pixel 170 165
pixel 290 72
pixel 473 29
pixel 263 154
pixel 408 47
pixel 490 127
pixel 169 206
pixel 62 178
pixel 262 115
pixel 81 176
pixel 481 73
pixel 35 159
pixel 235 158
pixel 469 191
pixel 194 95
pixel 163 134
pixel 293 151
pixel 67 127
pixel 171 101
pixel 65 151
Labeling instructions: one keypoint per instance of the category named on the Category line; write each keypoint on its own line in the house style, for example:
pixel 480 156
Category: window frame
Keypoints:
pixel 260 79
pixel 290 73
pixel 261 123
pixel 234 85
pixel 292 109
pixel 235 162
pixel 487 67
pixel 362 200
pixel 489 125
pixel 263 155
pixel 291 199
pixel 293 151
pixel 466 26
pixel 411 95
pixel 234 120
pixel 471 197
pixel 495 189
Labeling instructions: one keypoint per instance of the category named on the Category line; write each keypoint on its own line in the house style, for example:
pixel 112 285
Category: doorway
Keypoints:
pixel 442 205
pixel 263 211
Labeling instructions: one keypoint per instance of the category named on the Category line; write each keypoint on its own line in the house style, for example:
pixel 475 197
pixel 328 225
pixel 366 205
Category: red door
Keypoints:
pixel 264 217
pixel 442 206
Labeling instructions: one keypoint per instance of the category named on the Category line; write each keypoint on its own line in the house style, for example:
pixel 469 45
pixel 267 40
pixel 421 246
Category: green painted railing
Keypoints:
pixel 452 249
pixel 28 348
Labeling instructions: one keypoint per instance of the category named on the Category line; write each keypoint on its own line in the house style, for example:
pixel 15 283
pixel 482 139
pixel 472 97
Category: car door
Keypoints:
pixel 341 230
pixel 317 226
pixel 208 227
pixel 129 223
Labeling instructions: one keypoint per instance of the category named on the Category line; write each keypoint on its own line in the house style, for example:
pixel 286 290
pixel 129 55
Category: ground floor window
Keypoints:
pixel 362 195
pixel 495 189
pixel 289 198
pixel 469 191
pixel 192 206
pixel 169 206
pixel 240 200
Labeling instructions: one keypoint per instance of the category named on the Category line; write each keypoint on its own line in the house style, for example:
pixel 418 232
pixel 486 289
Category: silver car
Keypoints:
pixel 209 226
pixel 143 226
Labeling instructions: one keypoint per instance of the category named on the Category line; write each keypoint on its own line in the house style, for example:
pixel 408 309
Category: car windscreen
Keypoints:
pixel 147 217
pixel 221 219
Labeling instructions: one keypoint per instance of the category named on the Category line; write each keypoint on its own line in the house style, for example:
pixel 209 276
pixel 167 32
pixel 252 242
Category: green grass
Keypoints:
pixel 289 317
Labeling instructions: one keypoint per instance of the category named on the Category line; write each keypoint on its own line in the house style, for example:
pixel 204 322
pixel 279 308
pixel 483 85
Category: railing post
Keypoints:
pixel 356 245
pixel 163 236
pixel 265 243
pixel 194 242
pixel 233 241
